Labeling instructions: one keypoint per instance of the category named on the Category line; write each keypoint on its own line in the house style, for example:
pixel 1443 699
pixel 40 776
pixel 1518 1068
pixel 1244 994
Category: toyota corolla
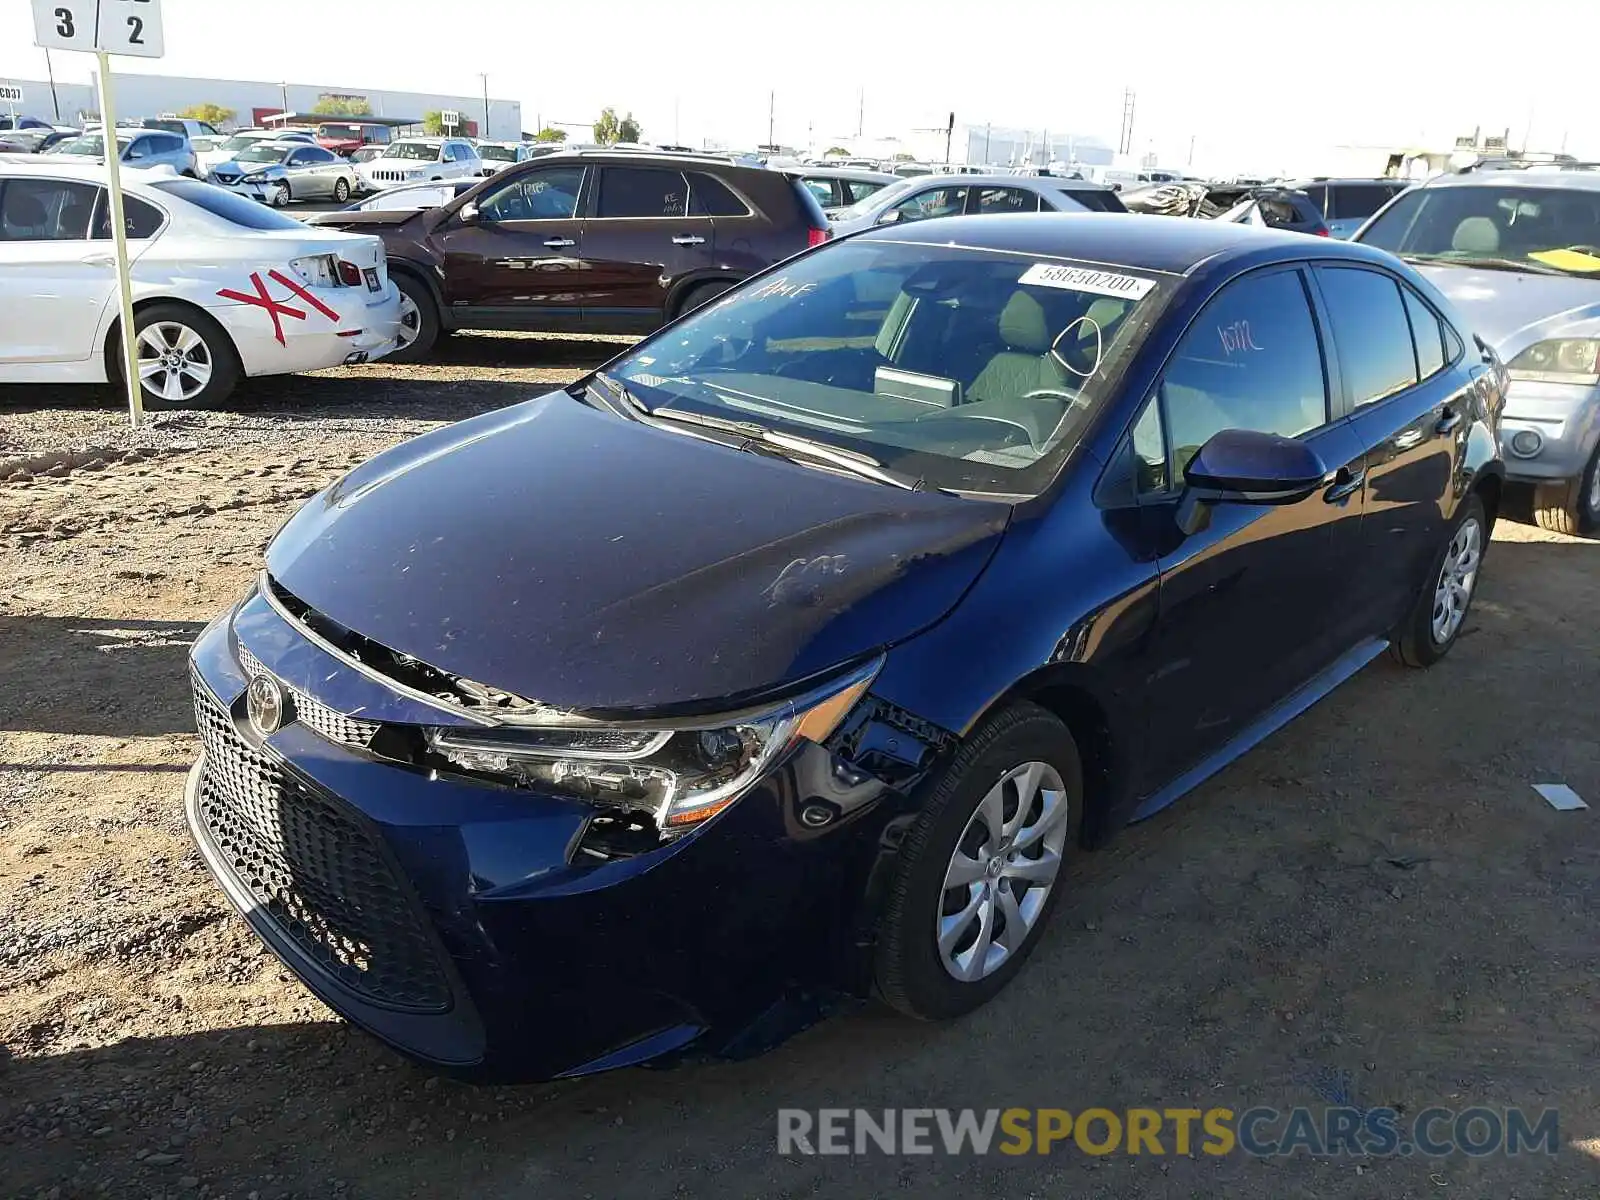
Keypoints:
pixel 798 652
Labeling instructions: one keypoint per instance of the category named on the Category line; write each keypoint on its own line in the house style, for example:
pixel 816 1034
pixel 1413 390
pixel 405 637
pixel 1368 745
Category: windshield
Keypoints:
pixel 971 369
pixel 416 150
pixel 340 131
pixel 87 144
pixel 262 152
pixel 1546 228
pixel 429 196
pixel 497 153
pixel 884 195
pixel 240 140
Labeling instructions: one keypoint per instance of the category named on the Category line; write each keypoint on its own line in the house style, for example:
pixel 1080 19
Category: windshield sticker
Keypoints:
pixel 1085 279
pixel 1237 338
pixel 1086 327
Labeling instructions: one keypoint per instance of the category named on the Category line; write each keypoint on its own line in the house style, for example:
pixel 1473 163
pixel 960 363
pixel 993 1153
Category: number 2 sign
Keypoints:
pixel 131 27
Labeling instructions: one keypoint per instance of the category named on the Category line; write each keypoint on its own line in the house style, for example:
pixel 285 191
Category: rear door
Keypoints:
pixel 1409 409
pixel 520 264
pixel 640 240
pixel 1255 604
pixel 312 171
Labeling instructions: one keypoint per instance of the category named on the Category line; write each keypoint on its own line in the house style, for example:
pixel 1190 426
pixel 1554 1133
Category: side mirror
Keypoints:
pixel 891 217
pixel 468 214
pixel 1244 466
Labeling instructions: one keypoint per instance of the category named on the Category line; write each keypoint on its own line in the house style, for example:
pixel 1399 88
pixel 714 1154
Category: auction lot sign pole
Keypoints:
pixel 104 28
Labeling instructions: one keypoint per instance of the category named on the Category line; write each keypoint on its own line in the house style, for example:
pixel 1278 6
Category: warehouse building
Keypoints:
pixel 159 95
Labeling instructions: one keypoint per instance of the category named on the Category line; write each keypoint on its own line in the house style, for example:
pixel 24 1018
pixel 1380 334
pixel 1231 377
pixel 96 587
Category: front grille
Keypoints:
pixel 314 870
pixel 325 722
pixel 220 177
pixel 389 176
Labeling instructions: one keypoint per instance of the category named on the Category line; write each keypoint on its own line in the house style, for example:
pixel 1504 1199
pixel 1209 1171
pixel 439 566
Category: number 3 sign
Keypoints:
pixel 131 27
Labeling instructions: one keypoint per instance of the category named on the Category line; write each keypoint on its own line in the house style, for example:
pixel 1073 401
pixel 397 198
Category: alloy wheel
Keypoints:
pixel 1001 873
pixel 1457 577
pixel 410 321
pixel 280 196
pixel 174 361
pixel 1593 499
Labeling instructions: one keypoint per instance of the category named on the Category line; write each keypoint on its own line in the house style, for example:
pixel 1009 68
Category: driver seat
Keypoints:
pixel 1025 364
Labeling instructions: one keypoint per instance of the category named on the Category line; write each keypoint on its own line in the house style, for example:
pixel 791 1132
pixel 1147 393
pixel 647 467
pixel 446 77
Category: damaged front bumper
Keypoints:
pixel 509 933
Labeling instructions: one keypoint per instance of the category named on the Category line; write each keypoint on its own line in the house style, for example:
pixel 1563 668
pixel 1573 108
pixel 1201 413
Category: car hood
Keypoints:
pixel 1511 310
pixel 590 562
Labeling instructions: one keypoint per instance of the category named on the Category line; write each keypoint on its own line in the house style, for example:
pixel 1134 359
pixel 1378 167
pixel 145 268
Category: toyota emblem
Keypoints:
pixel 264 704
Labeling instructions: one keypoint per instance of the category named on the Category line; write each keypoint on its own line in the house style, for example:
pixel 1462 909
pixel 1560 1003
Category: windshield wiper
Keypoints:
pixel 1488 263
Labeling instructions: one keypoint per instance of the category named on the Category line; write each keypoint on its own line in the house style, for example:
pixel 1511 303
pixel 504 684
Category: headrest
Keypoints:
pixel 1022 325
pixel 1476 235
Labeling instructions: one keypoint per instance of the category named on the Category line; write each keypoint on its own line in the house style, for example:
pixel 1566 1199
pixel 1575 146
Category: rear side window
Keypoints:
pixel 642 192
pixel 1427 331
pixel 141 220
pixel 1358 200
pixel 1096 200
pixel 1006 200
pixel 45 210
pixel 1319 196
pixel 1370 326
pixel 710 197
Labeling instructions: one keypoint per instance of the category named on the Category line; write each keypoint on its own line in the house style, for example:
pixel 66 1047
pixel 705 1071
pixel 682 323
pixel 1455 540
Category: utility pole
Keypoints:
pixel 484 76
pixel 772 110
pixel 1191 150
pixel 861 113
pixel 54 99
pixel 676 140
pixel 987 128
pixel 1125 143
pixel 285 89
pixel 949 130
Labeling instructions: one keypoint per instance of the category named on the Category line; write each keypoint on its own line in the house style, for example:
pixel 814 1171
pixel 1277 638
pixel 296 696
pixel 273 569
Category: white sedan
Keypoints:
pixel 223 287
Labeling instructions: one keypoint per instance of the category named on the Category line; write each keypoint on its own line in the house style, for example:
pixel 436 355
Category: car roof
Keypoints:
pixel 1546 175
pixel 1174 246
pixel 1308 180
pixel 1056 183
pixel 851 173
pixel 661 157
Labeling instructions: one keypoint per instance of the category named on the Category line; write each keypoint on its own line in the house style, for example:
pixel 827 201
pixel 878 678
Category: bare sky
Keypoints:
pixel 1245 80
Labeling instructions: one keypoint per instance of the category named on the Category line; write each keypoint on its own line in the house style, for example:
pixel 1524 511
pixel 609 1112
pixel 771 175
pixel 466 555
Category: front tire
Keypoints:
pixel 281 196
pixel 982 867
pixel 419 321
pixel 341 191
pixel 1572 506
pixel 186 359
pixel 1441 607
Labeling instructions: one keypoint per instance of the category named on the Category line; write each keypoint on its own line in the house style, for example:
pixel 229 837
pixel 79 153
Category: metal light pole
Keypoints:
pixel 483 76
pixel 55 100
pixel 772 111
pixel 284 87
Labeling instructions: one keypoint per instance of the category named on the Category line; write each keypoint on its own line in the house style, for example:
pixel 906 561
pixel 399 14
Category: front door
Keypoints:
pixel 55 281
pixel 312 172
pixel 1410 412
pixel 1256 603
pixel 640 240
pixel 520 263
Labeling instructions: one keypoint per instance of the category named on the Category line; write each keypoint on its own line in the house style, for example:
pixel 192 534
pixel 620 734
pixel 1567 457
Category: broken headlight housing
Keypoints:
pixel 681 772
pixel 1560 360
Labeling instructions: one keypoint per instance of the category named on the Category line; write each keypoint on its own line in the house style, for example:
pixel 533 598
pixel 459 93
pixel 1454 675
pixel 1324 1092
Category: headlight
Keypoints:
pixel 256 177
pixel 1560 360
pixel 682 774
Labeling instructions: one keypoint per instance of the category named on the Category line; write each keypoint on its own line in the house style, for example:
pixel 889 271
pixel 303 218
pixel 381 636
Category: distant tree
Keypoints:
pixel 550 134
pixel 606 127
pixel 338 106
pixel 630 130
pixel 212 114
pixel 433 122
pixel 836 150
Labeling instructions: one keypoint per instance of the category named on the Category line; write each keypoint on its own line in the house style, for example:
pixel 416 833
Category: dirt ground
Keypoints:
pixel 1374 904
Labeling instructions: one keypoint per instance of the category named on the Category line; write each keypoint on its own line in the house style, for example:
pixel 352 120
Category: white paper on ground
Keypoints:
pixel 1560 796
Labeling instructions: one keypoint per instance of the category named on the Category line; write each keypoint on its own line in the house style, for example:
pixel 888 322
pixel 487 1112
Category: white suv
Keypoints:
pixel 420 160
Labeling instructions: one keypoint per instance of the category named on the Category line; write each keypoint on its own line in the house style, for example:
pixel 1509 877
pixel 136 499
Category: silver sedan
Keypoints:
pixel 280 172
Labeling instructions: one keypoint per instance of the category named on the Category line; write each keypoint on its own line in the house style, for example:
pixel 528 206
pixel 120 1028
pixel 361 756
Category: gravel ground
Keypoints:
pixel 1374 904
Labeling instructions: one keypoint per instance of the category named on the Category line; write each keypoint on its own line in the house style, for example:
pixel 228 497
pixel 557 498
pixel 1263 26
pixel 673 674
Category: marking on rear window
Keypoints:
pixel 1084 279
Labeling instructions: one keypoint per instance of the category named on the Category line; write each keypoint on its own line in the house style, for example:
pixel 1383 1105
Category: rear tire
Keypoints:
pixel 1572 506
pixel 1440 611
pixel 420 319
pixel 341 191
pixel 957 926
pixel 700 295
pixel 203 364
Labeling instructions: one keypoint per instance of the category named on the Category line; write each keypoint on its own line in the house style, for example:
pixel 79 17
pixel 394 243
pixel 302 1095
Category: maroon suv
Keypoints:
pixel 586 242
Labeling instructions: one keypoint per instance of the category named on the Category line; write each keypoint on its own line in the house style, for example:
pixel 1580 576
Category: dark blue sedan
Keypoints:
pixel 798 652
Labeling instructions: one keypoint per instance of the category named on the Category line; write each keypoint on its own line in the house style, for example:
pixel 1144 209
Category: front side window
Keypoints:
pixel 45 210
pixel 1251 360
pixel 971 369
pixel 1369 321
pixel 1539 229
pixel 140 148
pixel 642 192
pixel 550 195
pixel 857 190
pixel 932 202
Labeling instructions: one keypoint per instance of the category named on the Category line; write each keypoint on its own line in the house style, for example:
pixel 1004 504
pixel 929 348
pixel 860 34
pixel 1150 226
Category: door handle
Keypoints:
pixel 1345 483
pixel 557 243
pixel 99 260
pixel 688 241
pixel 1449 421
